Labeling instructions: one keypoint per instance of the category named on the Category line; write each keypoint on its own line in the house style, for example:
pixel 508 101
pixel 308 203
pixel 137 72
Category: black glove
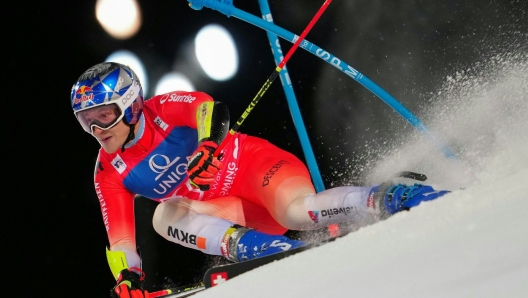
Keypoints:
pixel 129 285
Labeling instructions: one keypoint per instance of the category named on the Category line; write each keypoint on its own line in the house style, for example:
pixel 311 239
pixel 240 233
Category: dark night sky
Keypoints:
pixel 55 236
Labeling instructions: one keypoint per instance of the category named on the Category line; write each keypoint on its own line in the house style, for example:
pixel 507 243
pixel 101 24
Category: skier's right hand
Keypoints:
pixel 129 285
pixel 203 166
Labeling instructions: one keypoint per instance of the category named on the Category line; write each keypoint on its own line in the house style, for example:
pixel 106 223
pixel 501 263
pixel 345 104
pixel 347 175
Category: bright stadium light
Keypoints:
pixel 120 18
pixel 216 52
pixel 173 81
pixel 128 58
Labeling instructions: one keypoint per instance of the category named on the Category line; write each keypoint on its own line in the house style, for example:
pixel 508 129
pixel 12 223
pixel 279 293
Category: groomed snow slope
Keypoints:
pixel 472 243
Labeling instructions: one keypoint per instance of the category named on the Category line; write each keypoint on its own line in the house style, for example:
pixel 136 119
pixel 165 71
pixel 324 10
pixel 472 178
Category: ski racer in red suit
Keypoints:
pixel 238 206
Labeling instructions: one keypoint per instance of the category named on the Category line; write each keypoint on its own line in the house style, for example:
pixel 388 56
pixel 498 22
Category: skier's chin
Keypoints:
pixel 109 145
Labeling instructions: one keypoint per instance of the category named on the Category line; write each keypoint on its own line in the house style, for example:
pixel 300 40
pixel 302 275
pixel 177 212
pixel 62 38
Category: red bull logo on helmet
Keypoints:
pixel 81 94
pixel 83 89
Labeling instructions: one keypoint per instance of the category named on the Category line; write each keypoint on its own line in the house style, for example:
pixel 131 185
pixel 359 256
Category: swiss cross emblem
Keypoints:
pixel 218 278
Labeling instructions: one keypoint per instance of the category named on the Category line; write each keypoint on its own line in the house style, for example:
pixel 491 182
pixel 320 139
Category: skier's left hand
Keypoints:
pixel 129 285
pixel 203 166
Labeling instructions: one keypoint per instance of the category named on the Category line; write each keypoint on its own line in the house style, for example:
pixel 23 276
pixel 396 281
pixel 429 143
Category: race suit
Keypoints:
pixel 154 165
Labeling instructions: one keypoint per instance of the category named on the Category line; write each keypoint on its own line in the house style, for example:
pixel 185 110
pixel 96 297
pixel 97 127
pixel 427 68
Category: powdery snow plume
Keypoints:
pixel 480 115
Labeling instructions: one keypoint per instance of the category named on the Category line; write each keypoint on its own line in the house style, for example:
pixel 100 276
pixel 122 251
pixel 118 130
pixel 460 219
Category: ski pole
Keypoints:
pixel 272 77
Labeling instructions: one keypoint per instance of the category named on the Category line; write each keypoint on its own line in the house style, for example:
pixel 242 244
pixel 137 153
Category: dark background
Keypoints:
pixel 55 239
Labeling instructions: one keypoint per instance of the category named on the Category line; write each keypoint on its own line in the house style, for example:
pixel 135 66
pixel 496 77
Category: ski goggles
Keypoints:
pixel 102 116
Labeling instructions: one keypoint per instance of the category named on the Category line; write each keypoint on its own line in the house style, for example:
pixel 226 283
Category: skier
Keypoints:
pixel 237 203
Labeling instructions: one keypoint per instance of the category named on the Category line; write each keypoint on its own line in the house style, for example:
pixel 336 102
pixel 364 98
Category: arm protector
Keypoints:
pixel 212 119
pixel 118 261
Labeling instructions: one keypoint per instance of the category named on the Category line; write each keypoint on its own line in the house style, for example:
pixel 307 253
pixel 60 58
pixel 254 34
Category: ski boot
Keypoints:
pixel 393 198
pixel 246 244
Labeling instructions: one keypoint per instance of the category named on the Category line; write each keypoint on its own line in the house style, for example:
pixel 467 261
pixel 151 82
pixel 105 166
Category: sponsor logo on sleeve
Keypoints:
pixel 119 164
pixel 102 202
pixel 187 98
pixel 161 123
pixel 164 98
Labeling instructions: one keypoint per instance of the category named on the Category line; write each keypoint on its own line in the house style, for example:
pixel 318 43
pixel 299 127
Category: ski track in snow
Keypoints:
pixel 472 242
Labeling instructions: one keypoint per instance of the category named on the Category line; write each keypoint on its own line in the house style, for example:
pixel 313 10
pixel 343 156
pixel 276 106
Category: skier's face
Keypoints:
pixel 112 139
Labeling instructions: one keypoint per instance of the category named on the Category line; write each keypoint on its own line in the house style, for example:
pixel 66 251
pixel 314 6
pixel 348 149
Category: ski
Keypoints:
pixel 179 292
pixel 185 293
pixel 219 274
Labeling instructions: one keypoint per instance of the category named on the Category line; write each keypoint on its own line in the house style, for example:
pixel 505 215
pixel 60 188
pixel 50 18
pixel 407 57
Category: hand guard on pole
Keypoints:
pixel 203 166
pixel 129 285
